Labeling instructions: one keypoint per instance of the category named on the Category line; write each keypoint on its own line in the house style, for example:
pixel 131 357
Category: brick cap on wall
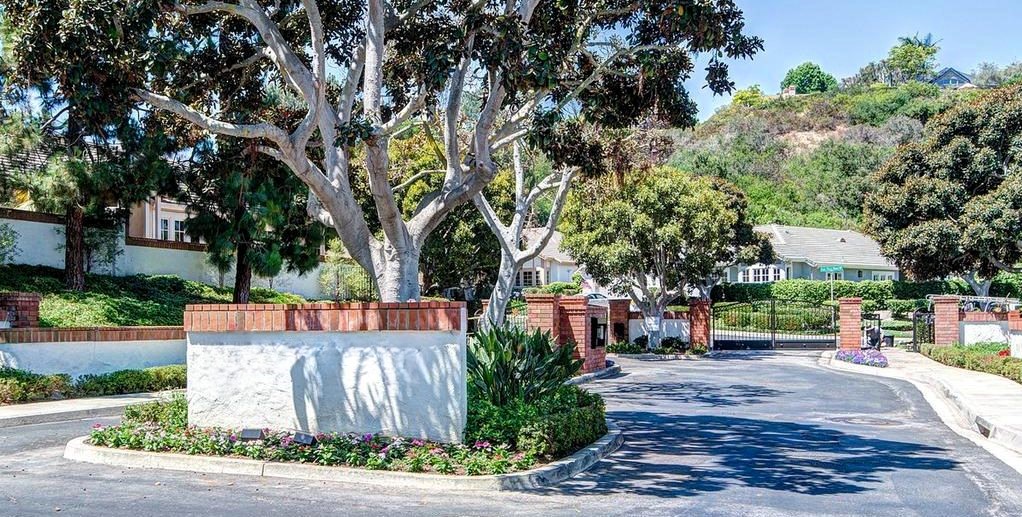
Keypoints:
pixel 90 334
pixel 338 317
pixel 850 300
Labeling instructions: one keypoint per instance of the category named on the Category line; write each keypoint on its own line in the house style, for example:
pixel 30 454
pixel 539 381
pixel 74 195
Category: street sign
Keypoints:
pixel 831 269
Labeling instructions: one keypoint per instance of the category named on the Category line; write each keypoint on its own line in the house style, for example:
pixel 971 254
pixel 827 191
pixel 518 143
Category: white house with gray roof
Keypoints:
pixel 801 252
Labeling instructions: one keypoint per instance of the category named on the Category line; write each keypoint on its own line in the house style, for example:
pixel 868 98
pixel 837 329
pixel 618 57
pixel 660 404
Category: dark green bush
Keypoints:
pixel 624 347
pixel 131 381
pixel 982 357
pixel 672 345
pixel 563 288
pixel 21 386
pixel 506 364
pixel 556 425
pixel 171 413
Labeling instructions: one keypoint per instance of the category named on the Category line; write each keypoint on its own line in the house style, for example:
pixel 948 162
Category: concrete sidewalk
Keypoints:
pixel 72 409
pixel 988 404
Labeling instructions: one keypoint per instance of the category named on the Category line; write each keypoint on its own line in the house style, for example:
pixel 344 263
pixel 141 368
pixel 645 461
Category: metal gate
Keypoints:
pixel 922 329
pixel 774 324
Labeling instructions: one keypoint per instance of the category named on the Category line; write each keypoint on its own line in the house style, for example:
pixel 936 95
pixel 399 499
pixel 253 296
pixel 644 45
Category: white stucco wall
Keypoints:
pixel 91 357
pixel 37 243
pixel 672 328
pixel 983 332
pixel 1016 344
pixel 400 383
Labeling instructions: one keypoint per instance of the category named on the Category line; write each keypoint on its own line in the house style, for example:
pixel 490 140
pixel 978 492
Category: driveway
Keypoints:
pixel 748 435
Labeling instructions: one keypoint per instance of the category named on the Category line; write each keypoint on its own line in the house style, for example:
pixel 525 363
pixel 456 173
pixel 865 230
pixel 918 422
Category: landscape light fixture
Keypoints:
pixel 248 435
pixel 304 438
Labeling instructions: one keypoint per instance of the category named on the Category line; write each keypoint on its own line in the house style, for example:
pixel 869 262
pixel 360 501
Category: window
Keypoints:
pixel 836 276
pixel 528 278
pixel 860 273
pixel 787 272
pixel 760 274
pixel 883 275
pixel 179 231
pixel 165 229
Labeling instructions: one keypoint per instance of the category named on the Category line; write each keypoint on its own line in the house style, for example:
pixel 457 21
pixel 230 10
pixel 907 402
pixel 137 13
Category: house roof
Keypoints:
pixel 950 71
pixel 822 247
pixel 552 250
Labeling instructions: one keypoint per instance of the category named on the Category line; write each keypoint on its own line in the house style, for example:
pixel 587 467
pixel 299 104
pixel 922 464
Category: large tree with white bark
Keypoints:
pixel 362 71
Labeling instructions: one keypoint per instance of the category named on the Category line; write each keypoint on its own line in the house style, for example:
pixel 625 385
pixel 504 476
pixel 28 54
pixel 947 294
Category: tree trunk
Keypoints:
pixel 74 248
pixel 502 291
pixel 653 325
pixel 397 275
pixel 242 275
pixel 979 286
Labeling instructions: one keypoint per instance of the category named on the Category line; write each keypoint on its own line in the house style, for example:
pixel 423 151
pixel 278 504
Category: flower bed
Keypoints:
pixel 500 440
pixel 863 357
pixel 981 357
pixel 18 386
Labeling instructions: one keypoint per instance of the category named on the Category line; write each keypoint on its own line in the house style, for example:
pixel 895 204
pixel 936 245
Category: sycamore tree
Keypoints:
pixel 951 204
pixel 525 64
pixel 661 233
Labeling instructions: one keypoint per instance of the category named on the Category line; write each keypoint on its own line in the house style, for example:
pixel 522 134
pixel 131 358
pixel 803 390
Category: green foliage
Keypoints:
pixel 876 105
pixel 556 425
pixel 111 301
pixel 624 347
pixel 563 288
pixel 809 77
pixel 899 296
pixel 749 97
pixel 21 386
pixel 914 59
pixel 951 204
pixel 981 357
pixel 342 278
pixel 507 364
pixel 8 244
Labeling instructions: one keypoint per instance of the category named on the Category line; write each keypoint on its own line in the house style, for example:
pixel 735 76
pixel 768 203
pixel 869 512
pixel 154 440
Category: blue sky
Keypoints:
pixel 843 35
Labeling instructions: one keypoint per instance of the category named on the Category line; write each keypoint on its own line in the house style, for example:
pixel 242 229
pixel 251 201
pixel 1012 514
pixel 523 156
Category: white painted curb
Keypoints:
pixel 610 371
pixel 549 474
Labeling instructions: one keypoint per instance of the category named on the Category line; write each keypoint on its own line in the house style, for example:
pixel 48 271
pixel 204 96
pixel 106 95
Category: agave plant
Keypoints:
pixel 507 363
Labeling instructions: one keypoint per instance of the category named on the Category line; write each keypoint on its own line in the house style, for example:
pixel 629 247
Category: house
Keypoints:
pixel 801 252
pixel 951 78
pixel 551 265
pixel 159 218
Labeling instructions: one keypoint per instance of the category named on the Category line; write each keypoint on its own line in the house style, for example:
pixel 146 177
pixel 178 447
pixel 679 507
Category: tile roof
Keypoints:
pixel 552 250
pixel 821 247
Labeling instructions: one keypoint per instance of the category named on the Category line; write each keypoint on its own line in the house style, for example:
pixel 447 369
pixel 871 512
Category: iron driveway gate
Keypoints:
pixel 774 324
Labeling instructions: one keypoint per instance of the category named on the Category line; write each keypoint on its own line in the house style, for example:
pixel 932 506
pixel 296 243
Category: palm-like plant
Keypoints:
pixel 507 364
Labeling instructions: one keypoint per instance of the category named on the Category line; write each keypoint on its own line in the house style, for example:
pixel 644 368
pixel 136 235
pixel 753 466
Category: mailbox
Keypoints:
pixel 598 332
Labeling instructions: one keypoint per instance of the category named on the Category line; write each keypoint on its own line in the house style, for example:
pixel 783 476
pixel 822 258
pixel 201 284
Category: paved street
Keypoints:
pixel 748 435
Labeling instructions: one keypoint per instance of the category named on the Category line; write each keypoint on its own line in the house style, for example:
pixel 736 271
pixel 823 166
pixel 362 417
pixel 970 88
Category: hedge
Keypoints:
pixel 980 357
pixel 20 386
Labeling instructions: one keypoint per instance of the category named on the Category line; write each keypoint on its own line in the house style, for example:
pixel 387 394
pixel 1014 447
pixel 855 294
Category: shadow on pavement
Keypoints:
pixel 691 392
pixel 680 456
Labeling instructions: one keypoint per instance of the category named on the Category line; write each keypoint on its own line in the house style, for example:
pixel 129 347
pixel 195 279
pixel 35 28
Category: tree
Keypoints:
pixel 417 63
pixel 68 68
pixel 808 78
pixel 661 233
pixel 913 58
pixel 991 75
pixel 250 211
pixel 751 97
pixel 951 204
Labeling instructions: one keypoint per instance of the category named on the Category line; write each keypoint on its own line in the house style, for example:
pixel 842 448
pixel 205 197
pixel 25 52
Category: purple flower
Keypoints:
pixel 482 445
pixel 368 437
pixel 418 443
pixel 287 440
pixel 233 438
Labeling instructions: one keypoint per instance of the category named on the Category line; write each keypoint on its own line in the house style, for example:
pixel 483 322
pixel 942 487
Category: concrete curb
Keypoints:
pixel 609 371
pixel 546 475
pixel 110 406
pixel 984 425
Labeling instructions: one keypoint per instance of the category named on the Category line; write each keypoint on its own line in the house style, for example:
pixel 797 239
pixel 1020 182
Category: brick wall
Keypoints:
pixel 946 316
pixel 544 312
pixel 343 317
pixel 699 322
pixel 617 321
pixel 25 307
pixel 595 357
pixel 850 324
pixel 91 334
pixel 568 320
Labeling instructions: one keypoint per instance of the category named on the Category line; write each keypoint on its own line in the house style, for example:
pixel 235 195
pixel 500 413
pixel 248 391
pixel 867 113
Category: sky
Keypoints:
pixel 843 35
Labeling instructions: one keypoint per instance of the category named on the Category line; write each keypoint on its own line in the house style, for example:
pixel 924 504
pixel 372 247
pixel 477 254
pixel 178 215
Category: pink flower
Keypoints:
pixel 97 426
pixel 418 443
pixel 482 445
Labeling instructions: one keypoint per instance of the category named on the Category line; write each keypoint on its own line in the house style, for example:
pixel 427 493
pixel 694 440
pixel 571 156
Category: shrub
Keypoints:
pixel 21 386
pixel 982 357
pixel 562 288
pixel 131 381
pixel 506 364
pixel 624 347
pixel 171 413
pixel 672 345
pixel 642 342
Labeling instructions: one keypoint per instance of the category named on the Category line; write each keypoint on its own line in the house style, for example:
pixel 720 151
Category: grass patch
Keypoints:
pixel 18 386
pixel 109 301
pixel 981 357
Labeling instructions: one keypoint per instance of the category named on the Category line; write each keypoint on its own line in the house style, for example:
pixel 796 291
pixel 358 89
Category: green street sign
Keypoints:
pixel 831 269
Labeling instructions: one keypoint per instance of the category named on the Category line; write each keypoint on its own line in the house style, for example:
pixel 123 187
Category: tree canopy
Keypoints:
pixel 808 78
pixel 951 204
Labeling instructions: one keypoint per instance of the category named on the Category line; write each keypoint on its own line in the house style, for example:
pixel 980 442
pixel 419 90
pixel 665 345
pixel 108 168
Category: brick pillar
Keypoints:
pixel 699 323
pixel 850 324
pixel 617 321
pixel 544 312
pixel 946 316
pixel 24 306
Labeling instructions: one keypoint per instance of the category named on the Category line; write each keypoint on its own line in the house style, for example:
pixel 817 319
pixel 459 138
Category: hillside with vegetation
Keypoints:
pixel 805 159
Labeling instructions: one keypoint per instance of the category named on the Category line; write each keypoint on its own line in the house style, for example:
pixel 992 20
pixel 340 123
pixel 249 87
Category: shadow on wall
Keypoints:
pixel 383 388
pixel 679 456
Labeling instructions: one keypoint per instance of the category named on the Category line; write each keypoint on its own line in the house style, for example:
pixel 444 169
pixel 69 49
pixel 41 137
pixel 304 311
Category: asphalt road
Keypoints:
pixel 748 435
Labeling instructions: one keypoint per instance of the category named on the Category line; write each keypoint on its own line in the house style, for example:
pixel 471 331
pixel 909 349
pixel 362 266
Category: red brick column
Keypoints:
pixel 618 319
pixel 946 316
pixel 25 307
pixel 850 324
pixel 699 323
pixel 544 312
